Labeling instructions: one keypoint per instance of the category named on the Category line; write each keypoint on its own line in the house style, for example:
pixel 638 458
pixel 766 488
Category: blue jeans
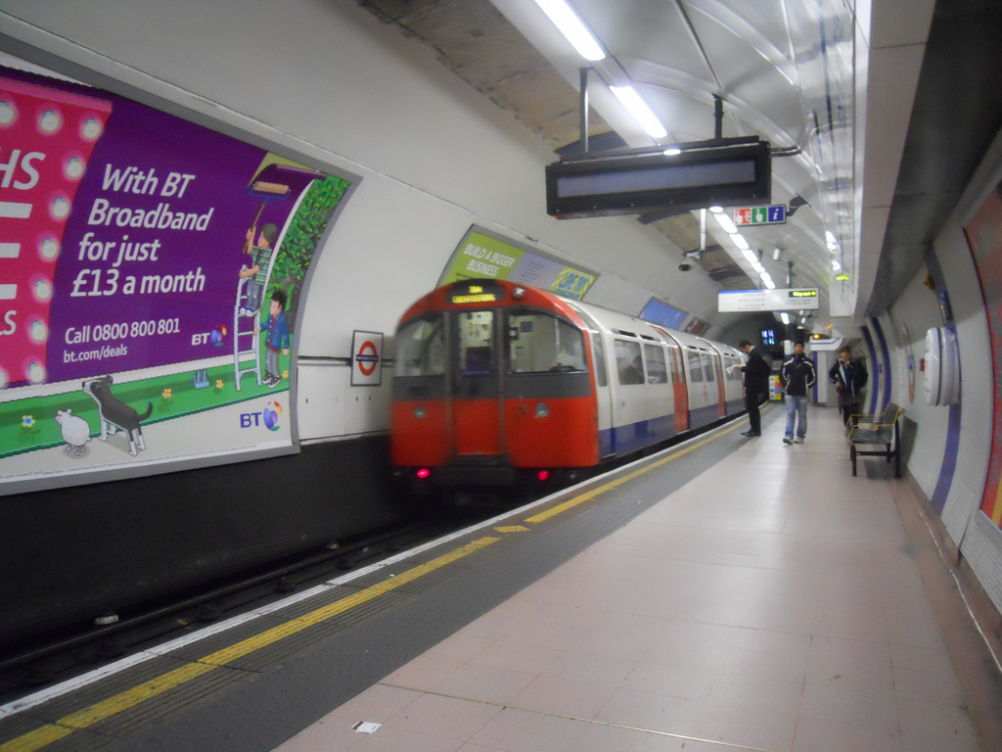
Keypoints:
pixel 796 406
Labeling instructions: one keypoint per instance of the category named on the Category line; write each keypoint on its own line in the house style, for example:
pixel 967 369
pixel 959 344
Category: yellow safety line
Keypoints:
pixel 86 717
pixel 42 737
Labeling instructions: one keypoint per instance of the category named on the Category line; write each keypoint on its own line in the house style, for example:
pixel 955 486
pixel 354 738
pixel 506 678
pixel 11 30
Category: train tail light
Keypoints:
pixel 543 476
pixel 423 473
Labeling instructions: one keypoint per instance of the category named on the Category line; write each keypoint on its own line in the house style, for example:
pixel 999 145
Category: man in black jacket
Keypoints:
pixel 797 376
pixel 849 377
pixel 756 372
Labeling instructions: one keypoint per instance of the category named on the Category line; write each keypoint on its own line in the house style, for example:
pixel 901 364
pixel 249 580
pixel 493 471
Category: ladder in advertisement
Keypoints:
pixel 245 338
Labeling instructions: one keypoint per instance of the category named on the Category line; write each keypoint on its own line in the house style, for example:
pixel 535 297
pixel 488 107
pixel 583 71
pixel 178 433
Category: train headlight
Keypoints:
pixel 419 413
pixel 518 293
pixel 542 410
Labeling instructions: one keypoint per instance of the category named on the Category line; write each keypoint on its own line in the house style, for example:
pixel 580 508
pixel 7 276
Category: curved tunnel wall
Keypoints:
pixel 338 90
pixel 951 445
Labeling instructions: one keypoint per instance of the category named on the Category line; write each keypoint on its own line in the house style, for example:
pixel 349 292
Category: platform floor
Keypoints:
pixel 772 603
pixel 728 594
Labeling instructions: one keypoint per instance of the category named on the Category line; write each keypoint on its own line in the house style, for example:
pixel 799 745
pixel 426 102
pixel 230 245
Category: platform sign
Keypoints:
pixel 760 215
pixel 367 351
pixel 733 301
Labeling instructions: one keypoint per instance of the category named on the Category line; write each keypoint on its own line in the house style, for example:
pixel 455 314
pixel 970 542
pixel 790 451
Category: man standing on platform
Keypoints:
pixel 756 372
pixel 849 377
pixel 798 377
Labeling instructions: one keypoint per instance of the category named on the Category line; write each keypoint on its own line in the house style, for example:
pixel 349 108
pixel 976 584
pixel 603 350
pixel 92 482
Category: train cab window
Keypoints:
pixel 657 371
pixel 540 343
pixel 695 365
pixel 628 362
pixel 476 343
pixel 420 348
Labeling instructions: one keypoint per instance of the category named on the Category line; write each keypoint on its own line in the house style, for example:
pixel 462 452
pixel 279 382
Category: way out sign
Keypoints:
pixel 367 354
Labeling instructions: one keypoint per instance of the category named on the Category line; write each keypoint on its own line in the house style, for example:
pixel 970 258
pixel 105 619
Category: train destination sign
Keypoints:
pixel 732 301
pixel 474 292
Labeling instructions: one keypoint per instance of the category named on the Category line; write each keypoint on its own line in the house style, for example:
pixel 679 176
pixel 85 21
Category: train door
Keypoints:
pixel 718 367
pixel 679 386
pixel 681 390
pixel 603 392
pixel 477 405
pixel 716 359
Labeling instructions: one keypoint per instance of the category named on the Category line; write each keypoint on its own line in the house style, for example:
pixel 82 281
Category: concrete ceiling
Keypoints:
pixel 678 55
pixel 829 84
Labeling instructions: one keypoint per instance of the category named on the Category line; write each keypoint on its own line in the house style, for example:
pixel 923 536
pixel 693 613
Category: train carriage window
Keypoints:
pixel 657 371
pixel 733 374
pixel 420 348
pixel 708 367
pixel 541 343
pixel 629 364
pixel 695 366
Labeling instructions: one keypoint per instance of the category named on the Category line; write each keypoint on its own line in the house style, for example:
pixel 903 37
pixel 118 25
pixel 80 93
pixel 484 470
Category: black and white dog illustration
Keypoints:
pixel 115 415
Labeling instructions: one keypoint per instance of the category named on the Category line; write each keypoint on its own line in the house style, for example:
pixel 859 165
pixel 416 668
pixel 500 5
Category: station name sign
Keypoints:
pixel 734 301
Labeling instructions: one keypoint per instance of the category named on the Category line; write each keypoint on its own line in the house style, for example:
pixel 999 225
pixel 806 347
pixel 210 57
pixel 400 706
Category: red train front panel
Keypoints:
pixel 492 377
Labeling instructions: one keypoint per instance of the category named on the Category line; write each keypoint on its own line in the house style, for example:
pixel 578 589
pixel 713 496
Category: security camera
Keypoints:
pixel 684 266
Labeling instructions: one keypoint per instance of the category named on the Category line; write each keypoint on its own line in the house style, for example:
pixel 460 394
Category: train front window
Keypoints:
pixel 540 343
pixel 421 348
pixel 476 343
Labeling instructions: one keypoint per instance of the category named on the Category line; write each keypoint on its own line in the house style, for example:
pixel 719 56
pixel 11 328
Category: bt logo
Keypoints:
pixel 267 417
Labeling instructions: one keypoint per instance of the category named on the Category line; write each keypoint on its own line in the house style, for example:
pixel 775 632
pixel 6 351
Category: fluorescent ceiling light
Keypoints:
pixel 567 21
pixel 724 221
pixel 836 266
pixel 640 111
pixel 784 318
pixel 739 241
pixel 716 209
pixel 674 152
pixel 750 255
pixel 775 253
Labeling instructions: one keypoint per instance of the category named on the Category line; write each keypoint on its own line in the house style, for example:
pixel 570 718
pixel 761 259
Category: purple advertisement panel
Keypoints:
pixel 151 272
pixel 150 260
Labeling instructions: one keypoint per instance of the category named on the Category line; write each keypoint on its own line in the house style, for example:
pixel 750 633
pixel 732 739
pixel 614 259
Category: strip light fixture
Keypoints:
pixel 636 106
pixel 573 28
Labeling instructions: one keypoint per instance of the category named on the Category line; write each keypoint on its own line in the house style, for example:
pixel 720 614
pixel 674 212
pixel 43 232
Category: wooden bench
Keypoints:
pixel 876 430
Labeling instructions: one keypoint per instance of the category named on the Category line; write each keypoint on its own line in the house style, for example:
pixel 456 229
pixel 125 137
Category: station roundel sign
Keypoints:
pixel 367 358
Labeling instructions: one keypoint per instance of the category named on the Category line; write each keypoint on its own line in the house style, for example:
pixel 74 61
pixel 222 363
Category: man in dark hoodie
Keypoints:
pixel 797 377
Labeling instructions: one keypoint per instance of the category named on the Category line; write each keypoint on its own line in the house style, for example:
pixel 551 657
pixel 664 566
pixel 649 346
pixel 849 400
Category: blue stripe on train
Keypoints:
pixel 644 433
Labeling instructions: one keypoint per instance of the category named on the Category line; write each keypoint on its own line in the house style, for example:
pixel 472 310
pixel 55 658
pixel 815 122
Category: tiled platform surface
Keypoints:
pixel 773 603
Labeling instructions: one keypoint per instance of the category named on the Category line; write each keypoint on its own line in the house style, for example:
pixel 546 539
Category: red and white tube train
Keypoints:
pixel 496 382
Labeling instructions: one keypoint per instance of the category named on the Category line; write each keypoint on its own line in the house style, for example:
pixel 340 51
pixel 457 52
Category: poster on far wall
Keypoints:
pixel 984 235
pixel 481 254
pixel 151 279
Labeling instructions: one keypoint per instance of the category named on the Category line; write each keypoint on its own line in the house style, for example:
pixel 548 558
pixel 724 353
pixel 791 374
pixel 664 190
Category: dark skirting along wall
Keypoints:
pixel 71 554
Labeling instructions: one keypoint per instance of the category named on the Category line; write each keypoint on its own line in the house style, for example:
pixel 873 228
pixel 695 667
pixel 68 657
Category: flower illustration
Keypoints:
pixel 27 421
pixel 168 393
pixel 219 384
